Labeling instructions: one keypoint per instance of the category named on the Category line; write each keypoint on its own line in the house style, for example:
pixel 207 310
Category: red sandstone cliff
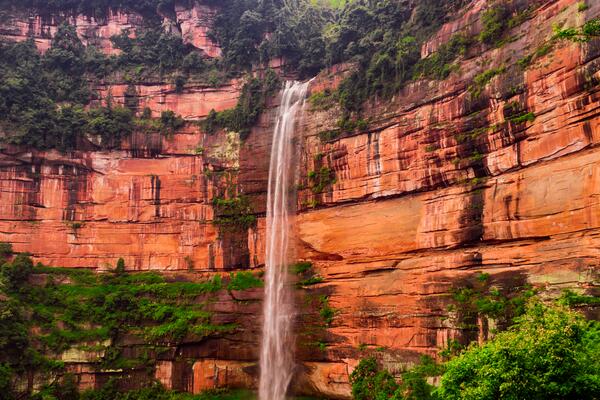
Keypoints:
pixel 439 187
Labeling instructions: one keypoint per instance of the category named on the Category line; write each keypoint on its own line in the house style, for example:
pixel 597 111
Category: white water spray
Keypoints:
pixel 277 353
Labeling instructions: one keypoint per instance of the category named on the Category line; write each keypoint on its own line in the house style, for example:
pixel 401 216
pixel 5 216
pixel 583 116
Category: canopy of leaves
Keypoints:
pixel 77 308
pixel 43 98
pixel 551 352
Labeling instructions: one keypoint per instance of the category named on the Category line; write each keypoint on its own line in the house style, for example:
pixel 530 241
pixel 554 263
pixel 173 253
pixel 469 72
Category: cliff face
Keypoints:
pixel 441 185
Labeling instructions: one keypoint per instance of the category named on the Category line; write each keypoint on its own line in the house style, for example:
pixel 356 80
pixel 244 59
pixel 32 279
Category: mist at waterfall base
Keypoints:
pixel 277 352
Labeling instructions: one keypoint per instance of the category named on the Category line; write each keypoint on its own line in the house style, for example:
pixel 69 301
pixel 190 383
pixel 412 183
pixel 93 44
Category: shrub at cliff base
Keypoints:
pixel 550 353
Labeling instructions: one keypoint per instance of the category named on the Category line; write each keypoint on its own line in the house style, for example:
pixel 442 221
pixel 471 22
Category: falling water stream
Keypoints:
pixel 276 359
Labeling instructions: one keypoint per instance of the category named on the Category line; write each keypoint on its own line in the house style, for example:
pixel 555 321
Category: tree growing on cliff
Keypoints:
pixel 551 352
pixel 15 274
pixel 370 382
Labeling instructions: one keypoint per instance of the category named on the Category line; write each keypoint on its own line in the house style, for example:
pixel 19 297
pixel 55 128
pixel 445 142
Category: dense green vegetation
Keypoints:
pixel 44 95
pixel 382 38
pixel 79 309
pixel 233 213
pixel 549 352
pixel 589 31
pixel 45 98
pixel 148 8
pixel 252 101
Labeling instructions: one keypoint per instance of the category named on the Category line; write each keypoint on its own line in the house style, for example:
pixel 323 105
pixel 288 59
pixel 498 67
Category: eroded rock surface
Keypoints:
pixel 439 187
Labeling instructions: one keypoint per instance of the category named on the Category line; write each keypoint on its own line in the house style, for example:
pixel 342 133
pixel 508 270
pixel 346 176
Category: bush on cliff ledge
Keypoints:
pixel 550 352
pixel 46 311
pixel 44 99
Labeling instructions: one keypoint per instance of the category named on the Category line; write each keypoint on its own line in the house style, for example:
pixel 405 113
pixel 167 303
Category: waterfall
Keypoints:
pixel 276 359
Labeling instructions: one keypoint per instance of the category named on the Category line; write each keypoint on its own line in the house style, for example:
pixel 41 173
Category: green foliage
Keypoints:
pixel 252 101
pixel 523 117
pixel 321 179
pixel 482 298
pixel 481 81
pixel 326 312
pixel 15 274
pixel 6 374
pixel 570 298
pixel 590 30
pixel 325 136
pixel 85 308
pixel 440 65
pixel 6 250
pixel 494 21
pixel 32 84
pixel 244 280
pixel 370 382
pixel 551 352
pixel 233 214
pixel 581 6
pixel 414 385
pixel 171 122
pixel 302 267
pixel 43 97
pixel 312 280
pixel 120 266
pixel 148 8
pixel 66 390
pixel 155 51
pixel 14 337
pixel 111 124
pixel 384 42
pixel 322 101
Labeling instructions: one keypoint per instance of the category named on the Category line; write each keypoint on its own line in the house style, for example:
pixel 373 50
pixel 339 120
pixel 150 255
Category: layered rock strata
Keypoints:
pixel 440 186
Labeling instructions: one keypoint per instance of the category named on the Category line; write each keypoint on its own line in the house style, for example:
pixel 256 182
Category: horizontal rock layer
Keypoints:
pixel 442 185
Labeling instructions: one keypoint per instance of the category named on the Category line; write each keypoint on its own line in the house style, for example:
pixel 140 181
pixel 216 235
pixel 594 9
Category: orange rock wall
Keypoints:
pixel 441 186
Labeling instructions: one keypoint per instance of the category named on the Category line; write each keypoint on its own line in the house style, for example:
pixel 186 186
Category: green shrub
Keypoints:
pixel 523 117
pixel 481 81
pixel 570 298
pixel 301 267
pixel 96 308
pixel 243 280
pixel 551 352
pixel 251 103
pixel 6 374
pixel 120 266
pixel 321 179
pixel 325 136
pixel 233 214
pixel 171 122
pixel 440 64
pixel 16 273
pixel 494 23
pixel 326 312
pixel 6 250
pixel 589 31
pixel 312 280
